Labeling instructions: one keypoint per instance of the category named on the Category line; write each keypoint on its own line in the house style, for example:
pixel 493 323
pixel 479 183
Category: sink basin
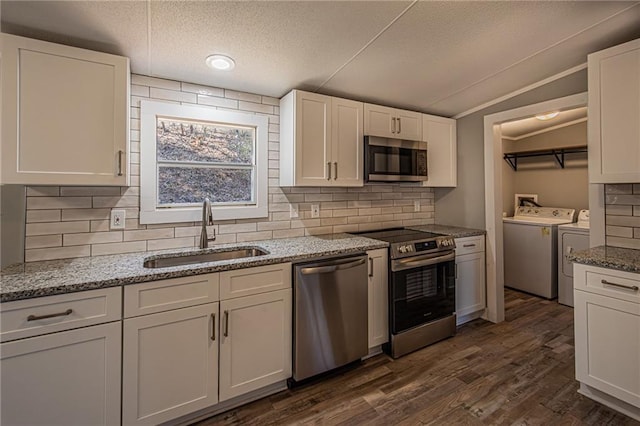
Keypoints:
pixel 190 259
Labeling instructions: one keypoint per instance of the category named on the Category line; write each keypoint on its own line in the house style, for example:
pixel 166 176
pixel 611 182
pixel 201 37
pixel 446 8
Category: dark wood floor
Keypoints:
pixel 518 372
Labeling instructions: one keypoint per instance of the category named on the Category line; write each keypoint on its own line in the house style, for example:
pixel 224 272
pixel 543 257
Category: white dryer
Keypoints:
pixel 531 250
pixel 571 237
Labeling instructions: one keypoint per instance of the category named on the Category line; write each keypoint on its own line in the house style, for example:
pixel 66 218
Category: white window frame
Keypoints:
pixel 149 210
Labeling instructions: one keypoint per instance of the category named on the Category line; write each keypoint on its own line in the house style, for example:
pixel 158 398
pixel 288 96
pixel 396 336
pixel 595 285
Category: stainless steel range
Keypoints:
pixel 421 288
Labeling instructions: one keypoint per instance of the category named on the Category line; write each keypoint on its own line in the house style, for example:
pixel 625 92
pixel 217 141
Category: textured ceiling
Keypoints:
pixel 437 57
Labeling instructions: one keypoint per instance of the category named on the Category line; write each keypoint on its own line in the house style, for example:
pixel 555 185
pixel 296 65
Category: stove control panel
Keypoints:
pixel 419 247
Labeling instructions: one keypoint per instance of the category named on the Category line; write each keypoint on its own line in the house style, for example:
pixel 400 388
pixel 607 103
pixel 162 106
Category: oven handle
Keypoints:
pixel 416 262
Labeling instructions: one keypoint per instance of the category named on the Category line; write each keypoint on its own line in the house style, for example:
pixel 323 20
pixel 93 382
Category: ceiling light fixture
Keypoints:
pixel 547 116
pixel 220 62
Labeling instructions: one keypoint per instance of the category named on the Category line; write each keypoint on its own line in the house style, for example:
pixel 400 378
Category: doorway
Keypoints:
pixel 493 158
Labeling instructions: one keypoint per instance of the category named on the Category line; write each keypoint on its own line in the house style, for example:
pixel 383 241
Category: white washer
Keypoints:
pixel 531 250
pixel 571 237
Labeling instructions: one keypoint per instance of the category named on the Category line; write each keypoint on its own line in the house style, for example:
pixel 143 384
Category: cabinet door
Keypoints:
pixel 614 113
pixel 255 345
pixel 470 296
pixel 170 364
pixel 379 121
pixel 66 378
pixel 440 135
pixel 312 139
pixel 608 345
pixel 408 125
pixel 346 142
pixel 65 114
pixel 378 298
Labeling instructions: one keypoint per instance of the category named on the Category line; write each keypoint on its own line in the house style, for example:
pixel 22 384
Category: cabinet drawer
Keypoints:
pixel 261 279
pixel 608 282
pixel 468 245
pixel 32 317
pixel 165 295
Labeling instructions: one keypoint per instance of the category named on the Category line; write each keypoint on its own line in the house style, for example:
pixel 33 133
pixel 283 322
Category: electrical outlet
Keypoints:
pixel 117 219
pixel 293 211
pixel 315 210
pixel 416 206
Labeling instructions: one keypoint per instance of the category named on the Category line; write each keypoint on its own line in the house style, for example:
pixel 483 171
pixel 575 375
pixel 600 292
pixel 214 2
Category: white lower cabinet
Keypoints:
pixel 378 297
pixel 69 377
pixel 470 278
pixel 607 336
pixel 170 364
pixel 255 342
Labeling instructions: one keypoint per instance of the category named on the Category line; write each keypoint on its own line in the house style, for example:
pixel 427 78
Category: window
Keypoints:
pixel 189 153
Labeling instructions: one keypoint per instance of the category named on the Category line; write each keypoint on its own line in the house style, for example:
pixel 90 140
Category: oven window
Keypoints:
pixel 422 295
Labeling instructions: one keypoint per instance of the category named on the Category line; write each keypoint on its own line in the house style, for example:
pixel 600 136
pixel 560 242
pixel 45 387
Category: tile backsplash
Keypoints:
pixel 68 222
pixel 622 215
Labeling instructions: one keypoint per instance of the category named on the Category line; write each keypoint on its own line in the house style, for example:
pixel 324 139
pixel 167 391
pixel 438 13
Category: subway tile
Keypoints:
pixel 117 248
pixel 381 203
pixel 333 205
pixel 92 238
pixel 171 243
pixel 279 207
pixel 270 226
pixel 619 231
pixel 345 228
pixel 631 243
pixel 304 223
pixel 369 211
pixel 189 231
pixel 254 107
pixel 322 230
pixel 243 227
pixel 370 196
pixel 279 216
pixel 288 233
pixel 172 95
pixel 243 96
pixel 35 255
pixel 224 239
pixel 43 216
pixel 632 221
pixel 130 191
pixel 253 236
pixel 622 199
pixel 345 197
pixel 148 234
pixel 138 90
pixel 402 216
pixel 636 188
pixel 119 201
pixel 202 90
pixel 48 228
pixel 619 188
pixel 310 198
pixel 391 196
pixel 47 203
pixel 85 214
pixel 344 212
pixel 143 80
pixel 330 221
pixel 42 241
pixel 270 101
pixel 217 102
pixel 359 204
pixel 358 219
pixel 43 191
pixel 636 210
pixel 636 232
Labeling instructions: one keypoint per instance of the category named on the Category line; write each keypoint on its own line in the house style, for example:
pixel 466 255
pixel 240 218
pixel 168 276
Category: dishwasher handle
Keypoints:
pixel 334 266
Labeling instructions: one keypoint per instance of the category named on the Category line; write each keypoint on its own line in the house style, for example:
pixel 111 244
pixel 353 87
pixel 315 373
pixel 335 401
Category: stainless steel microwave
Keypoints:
pixel 394 160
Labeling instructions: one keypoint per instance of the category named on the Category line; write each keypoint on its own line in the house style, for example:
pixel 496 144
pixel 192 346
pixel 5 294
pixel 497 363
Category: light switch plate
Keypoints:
pixel 416 206
pixel 293 211
pixel 315 210
pixel 117 219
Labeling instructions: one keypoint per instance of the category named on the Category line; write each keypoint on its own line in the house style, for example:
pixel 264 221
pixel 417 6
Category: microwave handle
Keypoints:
pixel 399 126
pixel 393 130
pixel 329 171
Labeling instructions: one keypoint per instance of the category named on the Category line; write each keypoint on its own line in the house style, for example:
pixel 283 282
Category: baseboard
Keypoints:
pixel 469 317
pixel 610 401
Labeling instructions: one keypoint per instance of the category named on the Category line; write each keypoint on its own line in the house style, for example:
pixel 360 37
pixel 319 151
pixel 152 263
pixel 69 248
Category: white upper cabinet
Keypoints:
pixel 321 140
pixel 392 123
pixel 65 115
pixel 440 135
pixel 614 114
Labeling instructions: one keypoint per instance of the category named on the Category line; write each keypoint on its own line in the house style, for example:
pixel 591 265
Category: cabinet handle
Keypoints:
pixel 370 267
pixel 394 125
pixel 628 287
pixel 399 126
pixel 329 171
pixel 226 323
pixel 213 327
pixel 468 245
pixel 40 317
pixel 335 166
pixel 120 152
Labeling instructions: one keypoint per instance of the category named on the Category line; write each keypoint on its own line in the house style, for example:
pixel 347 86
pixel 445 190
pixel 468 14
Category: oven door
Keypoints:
pixel 394 160
pixel 422 290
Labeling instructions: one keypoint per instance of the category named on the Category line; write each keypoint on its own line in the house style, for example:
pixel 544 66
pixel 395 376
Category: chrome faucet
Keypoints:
pixel 207 220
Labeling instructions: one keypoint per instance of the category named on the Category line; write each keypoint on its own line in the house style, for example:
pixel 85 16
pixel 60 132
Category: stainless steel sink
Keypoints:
pixel 178 259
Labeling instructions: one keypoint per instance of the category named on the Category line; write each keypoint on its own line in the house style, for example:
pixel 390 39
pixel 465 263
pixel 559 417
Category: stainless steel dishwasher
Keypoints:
pixel 330 326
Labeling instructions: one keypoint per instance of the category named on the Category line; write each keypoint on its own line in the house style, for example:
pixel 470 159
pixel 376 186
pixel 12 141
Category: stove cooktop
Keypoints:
pixel 398 235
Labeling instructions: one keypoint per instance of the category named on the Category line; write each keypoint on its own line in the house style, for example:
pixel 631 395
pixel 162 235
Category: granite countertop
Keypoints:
pixel 453 231
pixel 28 280
pixel 608 257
